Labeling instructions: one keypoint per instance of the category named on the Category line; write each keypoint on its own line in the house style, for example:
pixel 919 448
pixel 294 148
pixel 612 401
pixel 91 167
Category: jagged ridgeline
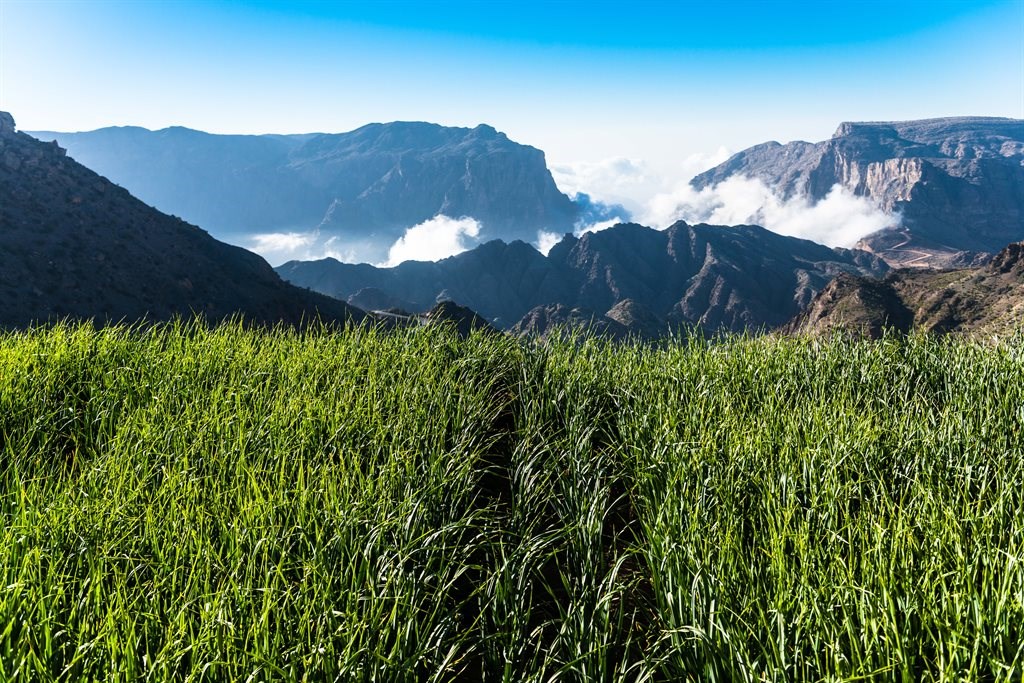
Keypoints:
pixel 627 279
pixel 76 245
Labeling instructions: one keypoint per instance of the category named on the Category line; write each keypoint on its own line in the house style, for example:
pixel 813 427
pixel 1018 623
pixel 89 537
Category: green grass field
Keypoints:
pixel 188 504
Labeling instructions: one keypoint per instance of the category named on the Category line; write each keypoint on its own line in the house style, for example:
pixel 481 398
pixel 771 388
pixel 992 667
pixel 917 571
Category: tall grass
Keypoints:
pixel 183 503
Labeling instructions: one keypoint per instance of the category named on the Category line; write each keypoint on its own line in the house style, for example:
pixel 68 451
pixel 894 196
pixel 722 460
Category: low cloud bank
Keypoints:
pixel 616 181
pixel 431 240
pixel 435 239
pixel 280 247
pixel 838 220
pixel 660 197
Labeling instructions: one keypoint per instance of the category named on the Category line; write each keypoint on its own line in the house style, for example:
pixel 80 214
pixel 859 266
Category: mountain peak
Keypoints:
pixel 848 128
pixel 487 130
pixel 1009 260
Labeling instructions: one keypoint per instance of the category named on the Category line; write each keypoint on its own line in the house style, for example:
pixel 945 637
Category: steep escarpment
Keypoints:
pixel 364 188
pixel 984 300
pixel 76 245
pixel 957 183
pixel 718 278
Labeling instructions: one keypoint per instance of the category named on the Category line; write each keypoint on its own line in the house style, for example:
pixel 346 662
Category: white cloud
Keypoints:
pixel 278 247
pixel 657 199
pixel 435 239
pixel 598 226
pixel 699 162
pixel 837 220
pixel 612 181
pixel 630 182
pixel 332 249
pixel 840 219
pixel 660 196
pixel 546 240
pixel 431 240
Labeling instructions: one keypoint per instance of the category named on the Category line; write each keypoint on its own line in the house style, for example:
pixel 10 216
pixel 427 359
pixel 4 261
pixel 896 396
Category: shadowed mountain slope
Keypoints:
pixel 76 245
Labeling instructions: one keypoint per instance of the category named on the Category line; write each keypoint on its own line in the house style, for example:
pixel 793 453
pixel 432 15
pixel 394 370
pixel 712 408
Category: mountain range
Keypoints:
pixel 957 183
pixel 954 182
pixel 714 277
pixel 75 245
pixel 359 190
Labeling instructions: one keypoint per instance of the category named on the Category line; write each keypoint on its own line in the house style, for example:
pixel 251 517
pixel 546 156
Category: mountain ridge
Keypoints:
pixel 734 278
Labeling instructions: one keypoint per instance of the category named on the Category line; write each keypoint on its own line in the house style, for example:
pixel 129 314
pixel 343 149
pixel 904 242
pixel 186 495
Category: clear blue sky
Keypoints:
pixel 583 81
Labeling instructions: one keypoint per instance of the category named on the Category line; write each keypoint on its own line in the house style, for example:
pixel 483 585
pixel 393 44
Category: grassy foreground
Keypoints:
pixel 190 504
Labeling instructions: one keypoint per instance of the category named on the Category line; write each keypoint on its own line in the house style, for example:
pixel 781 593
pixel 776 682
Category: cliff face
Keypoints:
pixel 984 300
pixel 731 278
pixel 76 245
pixel 364 187
pixel 958 183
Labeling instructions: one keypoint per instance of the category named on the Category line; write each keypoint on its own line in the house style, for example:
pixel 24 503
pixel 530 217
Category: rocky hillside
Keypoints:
pixel 626 320
pixel 958 183
pixel 364 187
pixel 731 278
pixel 984 300
pixel 73 244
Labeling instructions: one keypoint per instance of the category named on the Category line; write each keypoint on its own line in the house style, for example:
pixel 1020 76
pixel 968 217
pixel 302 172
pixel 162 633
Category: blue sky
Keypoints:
pixel 656 81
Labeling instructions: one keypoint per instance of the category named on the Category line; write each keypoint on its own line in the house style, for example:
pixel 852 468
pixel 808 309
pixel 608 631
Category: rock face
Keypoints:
pixel 985 300
pixel 364 187
pixel 544 322
pixel 958 183
pixel 719 278
pixel 76 245
pixel 461 318
pixel 625 320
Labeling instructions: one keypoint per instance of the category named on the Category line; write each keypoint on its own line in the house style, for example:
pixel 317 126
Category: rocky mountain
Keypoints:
pixel 626 320
pixel 363 188
pixel 463 320
pixel 986 300
pixel 545 321
pixel 73 244
pixel 958 183
pixel 731 278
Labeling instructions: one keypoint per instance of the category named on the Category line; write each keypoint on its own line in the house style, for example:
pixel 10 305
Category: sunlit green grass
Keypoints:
pixel 180 503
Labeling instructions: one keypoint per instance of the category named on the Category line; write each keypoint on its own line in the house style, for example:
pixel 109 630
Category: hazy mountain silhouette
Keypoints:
pixel 364 187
